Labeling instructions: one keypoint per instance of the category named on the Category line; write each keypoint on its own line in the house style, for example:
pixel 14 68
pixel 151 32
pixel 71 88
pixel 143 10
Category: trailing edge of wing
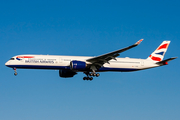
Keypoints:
pixel 112 55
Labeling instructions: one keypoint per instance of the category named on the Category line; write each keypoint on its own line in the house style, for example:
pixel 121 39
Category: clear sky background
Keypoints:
pixel 89 28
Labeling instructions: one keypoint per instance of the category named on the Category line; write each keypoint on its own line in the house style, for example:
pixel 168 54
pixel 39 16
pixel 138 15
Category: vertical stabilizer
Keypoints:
pixel 159 53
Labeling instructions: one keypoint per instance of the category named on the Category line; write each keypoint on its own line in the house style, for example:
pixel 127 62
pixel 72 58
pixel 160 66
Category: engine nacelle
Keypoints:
pixel 77 65
pixel 66 73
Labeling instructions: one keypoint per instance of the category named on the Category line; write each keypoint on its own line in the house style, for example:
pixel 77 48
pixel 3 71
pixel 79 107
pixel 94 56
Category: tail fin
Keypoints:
pixel 159 53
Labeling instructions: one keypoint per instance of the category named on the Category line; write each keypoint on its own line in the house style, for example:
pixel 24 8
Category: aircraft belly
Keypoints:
pixel 103 69
pixel 120 67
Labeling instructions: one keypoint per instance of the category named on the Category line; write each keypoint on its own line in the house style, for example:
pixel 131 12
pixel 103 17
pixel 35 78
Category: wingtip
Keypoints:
pixel 138 42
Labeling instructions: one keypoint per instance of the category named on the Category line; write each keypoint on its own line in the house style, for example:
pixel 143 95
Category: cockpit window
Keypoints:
pixel 12 59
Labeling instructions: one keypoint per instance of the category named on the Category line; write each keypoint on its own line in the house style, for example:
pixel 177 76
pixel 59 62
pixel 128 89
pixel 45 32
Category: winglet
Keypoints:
pixel 138 42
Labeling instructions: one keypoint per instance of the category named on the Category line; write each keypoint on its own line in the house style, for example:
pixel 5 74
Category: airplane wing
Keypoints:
pixel 102 59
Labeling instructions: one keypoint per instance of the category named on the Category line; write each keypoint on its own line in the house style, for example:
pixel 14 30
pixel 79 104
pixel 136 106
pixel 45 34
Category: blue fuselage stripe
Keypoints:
pixel 102 69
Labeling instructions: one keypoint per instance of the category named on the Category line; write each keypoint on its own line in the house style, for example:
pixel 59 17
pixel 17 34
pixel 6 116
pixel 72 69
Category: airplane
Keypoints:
pixel 68 66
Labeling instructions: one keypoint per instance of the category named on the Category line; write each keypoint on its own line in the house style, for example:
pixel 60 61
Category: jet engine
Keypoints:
pixel 78 65
pixel 66 73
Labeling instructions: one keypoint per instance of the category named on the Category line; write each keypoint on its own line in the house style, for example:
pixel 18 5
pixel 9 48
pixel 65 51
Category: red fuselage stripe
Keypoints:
pixel 25 57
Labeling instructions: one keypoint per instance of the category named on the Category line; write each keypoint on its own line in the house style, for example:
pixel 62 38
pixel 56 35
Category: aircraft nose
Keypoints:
pixel 7 63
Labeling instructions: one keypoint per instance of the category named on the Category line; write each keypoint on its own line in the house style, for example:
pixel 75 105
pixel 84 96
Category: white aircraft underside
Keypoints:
pixel 68 66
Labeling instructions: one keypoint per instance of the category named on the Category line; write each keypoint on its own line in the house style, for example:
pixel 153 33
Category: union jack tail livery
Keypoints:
pixel 159 53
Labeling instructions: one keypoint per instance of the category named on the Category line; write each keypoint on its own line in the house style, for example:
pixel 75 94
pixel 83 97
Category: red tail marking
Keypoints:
pixel 156 58
pixel 163 46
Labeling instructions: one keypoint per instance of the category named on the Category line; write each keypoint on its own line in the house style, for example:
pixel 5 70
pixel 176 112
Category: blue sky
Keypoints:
pixel 89 28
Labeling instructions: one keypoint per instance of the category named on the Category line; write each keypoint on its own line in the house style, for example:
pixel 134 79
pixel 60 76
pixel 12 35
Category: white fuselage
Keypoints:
pixel 63 62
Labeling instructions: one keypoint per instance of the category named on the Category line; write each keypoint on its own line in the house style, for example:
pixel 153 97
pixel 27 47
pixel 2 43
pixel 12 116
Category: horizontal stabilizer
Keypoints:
pixel 164 62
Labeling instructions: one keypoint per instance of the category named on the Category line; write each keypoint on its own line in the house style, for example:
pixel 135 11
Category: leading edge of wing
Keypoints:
pixel 108 56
